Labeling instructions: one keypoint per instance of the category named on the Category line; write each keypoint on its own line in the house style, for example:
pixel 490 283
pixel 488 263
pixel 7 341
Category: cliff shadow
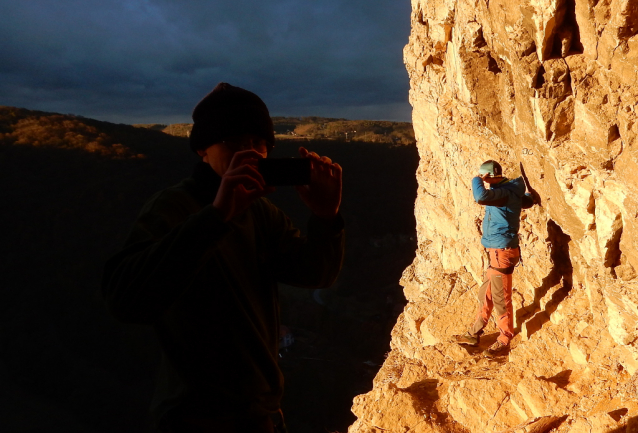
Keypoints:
pixel 560 379
pixel 535 195
pixel 486 341
pixel 618 413
pixel 562 272
pixel 630 426
pixel 425 394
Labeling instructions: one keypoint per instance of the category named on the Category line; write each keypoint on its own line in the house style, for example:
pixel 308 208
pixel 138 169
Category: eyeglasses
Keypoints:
pixel 248 143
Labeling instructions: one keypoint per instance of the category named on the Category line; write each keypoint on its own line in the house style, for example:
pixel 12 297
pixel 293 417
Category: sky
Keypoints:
pixel 151 61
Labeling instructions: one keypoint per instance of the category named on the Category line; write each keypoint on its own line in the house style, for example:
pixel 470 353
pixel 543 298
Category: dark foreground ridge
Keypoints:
pixel 71 189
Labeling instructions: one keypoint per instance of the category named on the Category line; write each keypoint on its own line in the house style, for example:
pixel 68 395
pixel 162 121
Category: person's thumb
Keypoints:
pixel 302 190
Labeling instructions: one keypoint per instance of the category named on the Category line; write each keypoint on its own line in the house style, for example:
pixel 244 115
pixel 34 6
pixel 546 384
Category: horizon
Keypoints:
pixel 191 122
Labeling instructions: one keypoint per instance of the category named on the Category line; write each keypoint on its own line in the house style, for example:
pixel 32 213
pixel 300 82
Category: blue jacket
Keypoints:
pixel 502 211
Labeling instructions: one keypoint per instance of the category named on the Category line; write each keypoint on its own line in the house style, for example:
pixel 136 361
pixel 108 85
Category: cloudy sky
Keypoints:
pixel 151 61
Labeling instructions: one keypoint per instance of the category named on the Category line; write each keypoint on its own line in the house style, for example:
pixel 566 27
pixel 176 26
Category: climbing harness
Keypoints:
pixel 509 269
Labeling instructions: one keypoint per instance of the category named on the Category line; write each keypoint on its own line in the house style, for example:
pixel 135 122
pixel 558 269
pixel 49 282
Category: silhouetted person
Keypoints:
pixel 503 203
pixel 202 266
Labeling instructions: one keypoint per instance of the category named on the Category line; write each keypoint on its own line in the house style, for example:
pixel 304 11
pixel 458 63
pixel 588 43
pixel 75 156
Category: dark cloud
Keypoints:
pixel 152 60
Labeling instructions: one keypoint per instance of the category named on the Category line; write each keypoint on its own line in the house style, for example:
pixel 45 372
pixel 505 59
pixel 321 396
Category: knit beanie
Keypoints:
pixel 229 111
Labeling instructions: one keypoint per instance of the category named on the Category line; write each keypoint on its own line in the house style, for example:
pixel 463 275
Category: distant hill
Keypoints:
pixel 70 132
pixel 40 129
pixel 175 129
pixel 321 128
pixel 370 131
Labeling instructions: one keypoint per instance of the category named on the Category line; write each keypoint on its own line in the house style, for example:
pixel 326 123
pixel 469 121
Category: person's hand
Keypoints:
pixel 323 195
pixel 240 185
pixel 485 176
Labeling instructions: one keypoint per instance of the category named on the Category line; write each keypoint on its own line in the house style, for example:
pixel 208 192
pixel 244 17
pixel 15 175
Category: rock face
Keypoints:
pixel 550 89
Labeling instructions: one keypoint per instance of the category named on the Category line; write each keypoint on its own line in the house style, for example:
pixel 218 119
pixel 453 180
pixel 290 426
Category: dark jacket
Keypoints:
pixel 502 203
pixel 209 288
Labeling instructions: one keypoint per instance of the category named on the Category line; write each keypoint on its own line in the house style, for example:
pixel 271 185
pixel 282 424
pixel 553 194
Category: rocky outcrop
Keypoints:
pixel 550 89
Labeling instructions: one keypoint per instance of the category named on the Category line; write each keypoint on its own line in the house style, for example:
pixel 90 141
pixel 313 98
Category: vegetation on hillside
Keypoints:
pixel 370 131
pixel 36 128
pixel 321 128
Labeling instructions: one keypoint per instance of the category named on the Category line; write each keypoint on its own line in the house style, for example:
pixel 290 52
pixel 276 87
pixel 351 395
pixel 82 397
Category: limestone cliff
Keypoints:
pixel 550 89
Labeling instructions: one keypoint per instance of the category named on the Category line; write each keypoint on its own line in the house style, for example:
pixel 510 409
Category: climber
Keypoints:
pixel 503 203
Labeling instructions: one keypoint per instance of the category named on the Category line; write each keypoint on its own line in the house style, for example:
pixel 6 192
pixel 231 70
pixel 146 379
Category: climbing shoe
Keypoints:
pixel 467 339
pixel 496 349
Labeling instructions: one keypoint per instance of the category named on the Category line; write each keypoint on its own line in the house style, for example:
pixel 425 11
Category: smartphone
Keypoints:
pixel 285 171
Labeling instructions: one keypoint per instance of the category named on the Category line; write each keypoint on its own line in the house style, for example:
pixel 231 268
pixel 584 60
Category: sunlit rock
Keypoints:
pixel 550 89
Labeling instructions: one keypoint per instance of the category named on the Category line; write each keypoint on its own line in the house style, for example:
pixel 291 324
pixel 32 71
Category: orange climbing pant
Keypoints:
pixel 496 293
